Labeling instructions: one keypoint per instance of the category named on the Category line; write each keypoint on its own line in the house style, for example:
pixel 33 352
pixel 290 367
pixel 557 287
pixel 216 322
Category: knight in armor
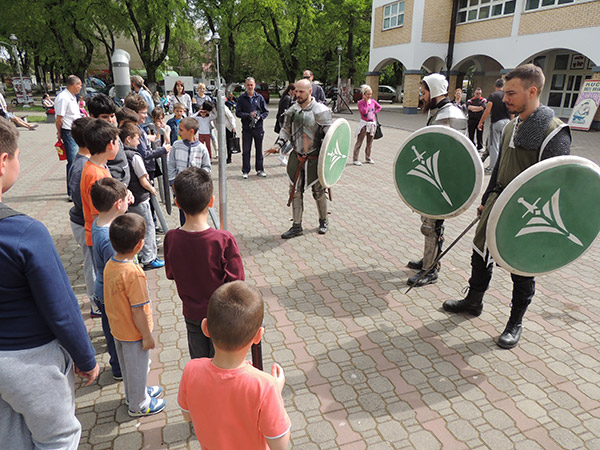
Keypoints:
pixel 533 135
pixel 441 111
pixel 305 124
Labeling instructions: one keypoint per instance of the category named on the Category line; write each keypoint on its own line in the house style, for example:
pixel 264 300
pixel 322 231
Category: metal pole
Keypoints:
pixel 339 71
pixel 14 47
pixel 222 143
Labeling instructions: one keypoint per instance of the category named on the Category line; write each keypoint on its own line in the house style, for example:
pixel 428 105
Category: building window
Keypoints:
pixel 393 15
pixel 471 10
pixel 538 4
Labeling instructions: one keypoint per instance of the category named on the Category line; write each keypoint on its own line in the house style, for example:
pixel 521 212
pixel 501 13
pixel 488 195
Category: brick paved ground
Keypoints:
pixel 367 366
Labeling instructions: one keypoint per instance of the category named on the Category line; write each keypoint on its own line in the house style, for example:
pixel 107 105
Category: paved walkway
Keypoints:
pixel 367 366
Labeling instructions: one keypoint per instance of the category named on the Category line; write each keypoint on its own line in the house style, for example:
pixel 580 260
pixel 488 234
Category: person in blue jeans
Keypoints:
pixel 252 109
pixel 109 197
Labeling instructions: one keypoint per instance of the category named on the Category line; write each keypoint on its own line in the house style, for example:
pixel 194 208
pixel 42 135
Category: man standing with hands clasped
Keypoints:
pixel 252 109
pixel 305 124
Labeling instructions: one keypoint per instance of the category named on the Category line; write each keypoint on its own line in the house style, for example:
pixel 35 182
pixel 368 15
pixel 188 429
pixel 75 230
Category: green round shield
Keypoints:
pixel 335 150
pixel 547 217
pixel 438 172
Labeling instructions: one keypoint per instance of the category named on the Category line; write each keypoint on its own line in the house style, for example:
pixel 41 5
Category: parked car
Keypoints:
pixel 387 93
pixel 263 89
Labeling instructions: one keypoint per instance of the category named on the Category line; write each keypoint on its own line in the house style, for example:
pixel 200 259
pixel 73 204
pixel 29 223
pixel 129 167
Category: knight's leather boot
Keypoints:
pixel 415 265
pixel 323 226
pixel 296 230
pixel 512 333
pixel 471 304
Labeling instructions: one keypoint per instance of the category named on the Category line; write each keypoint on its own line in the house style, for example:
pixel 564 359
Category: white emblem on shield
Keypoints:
pixel 428 170
pixel 545 220
pixel 336 155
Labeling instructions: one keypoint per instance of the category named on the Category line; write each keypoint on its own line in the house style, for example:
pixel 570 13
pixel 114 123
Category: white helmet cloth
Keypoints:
pixel 437 83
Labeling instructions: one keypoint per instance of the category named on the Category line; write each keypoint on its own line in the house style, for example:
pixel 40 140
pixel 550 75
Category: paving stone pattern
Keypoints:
pixel 367 366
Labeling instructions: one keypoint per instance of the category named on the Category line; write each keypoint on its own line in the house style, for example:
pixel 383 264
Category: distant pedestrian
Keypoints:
pixel 317 91
pixel 252 109
pixel 137 84
pixel 475 107
pixel 284 103
pixel 180 96
pixel 368 109
pixel 500 118
pixel 66 109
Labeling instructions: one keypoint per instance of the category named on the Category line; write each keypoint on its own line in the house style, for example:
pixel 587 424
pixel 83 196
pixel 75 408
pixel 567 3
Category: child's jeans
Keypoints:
pixel 199 345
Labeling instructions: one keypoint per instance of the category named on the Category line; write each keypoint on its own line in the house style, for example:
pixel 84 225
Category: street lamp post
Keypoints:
pixel 14 40
pixel 221 140
pixel 339 51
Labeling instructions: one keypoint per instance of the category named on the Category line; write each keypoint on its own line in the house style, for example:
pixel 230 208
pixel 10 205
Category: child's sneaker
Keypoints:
pixel 156 405
pixel 153 391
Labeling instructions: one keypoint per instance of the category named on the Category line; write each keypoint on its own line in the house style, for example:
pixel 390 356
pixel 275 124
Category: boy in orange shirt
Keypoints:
pixel 232 404
pixel 101 138
pixel 129 312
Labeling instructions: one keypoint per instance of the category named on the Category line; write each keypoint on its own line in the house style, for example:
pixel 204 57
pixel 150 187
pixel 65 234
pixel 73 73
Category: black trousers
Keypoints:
pixel 473 130
pixel 481 275
pixel 256 135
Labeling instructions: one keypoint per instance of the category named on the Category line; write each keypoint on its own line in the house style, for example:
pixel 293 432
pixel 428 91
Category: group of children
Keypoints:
pixel 223 315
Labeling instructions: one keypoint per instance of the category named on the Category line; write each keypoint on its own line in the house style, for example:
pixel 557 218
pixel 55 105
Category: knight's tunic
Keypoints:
pixel 514 159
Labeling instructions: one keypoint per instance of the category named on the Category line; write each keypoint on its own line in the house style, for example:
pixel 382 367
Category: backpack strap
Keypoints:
pixel 5 212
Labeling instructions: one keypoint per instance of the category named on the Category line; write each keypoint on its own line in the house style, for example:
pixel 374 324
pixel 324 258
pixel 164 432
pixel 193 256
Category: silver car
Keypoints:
pixel 387 93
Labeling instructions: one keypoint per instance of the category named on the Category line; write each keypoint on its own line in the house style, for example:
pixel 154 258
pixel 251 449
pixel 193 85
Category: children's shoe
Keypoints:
pixel 156 264
pixel 261 173
pixel 94 311
pixel 357 163
pixel 370 161
pixel 153 391
pixel 156 405
pixel 245 176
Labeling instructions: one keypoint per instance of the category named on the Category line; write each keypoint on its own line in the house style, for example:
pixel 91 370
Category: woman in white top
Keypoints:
pixel 179 96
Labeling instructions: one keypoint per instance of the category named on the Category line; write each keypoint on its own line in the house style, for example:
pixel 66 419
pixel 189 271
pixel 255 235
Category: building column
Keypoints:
pixel 372 79
pixel 412 80
pixel 455 82
pixel 596 121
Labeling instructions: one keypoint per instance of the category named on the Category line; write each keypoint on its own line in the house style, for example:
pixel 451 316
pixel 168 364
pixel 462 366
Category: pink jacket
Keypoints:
pixel 368 111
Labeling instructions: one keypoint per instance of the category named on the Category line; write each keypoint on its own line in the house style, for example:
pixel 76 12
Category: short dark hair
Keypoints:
pixel 9 137
pixel 189 123
pixel 235 313
pixel 128 129
pixel 499 82
pixel 105 192
pixel 136 102
pixel 98 134
pixel 207 106
pixel 157 113
pixel 193 190
pixel 73 79
pixel 78 130
pixel 101 104
pixel 126 232
pixel 530 75
pixel 126 113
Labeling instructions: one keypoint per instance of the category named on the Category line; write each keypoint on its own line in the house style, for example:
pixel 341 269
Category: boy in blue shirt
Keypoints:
pixel 109 197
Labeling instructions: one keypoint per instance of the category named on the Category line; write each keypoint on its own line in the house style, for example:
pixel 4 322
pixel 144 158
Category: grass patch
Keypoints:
pixel 36 119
